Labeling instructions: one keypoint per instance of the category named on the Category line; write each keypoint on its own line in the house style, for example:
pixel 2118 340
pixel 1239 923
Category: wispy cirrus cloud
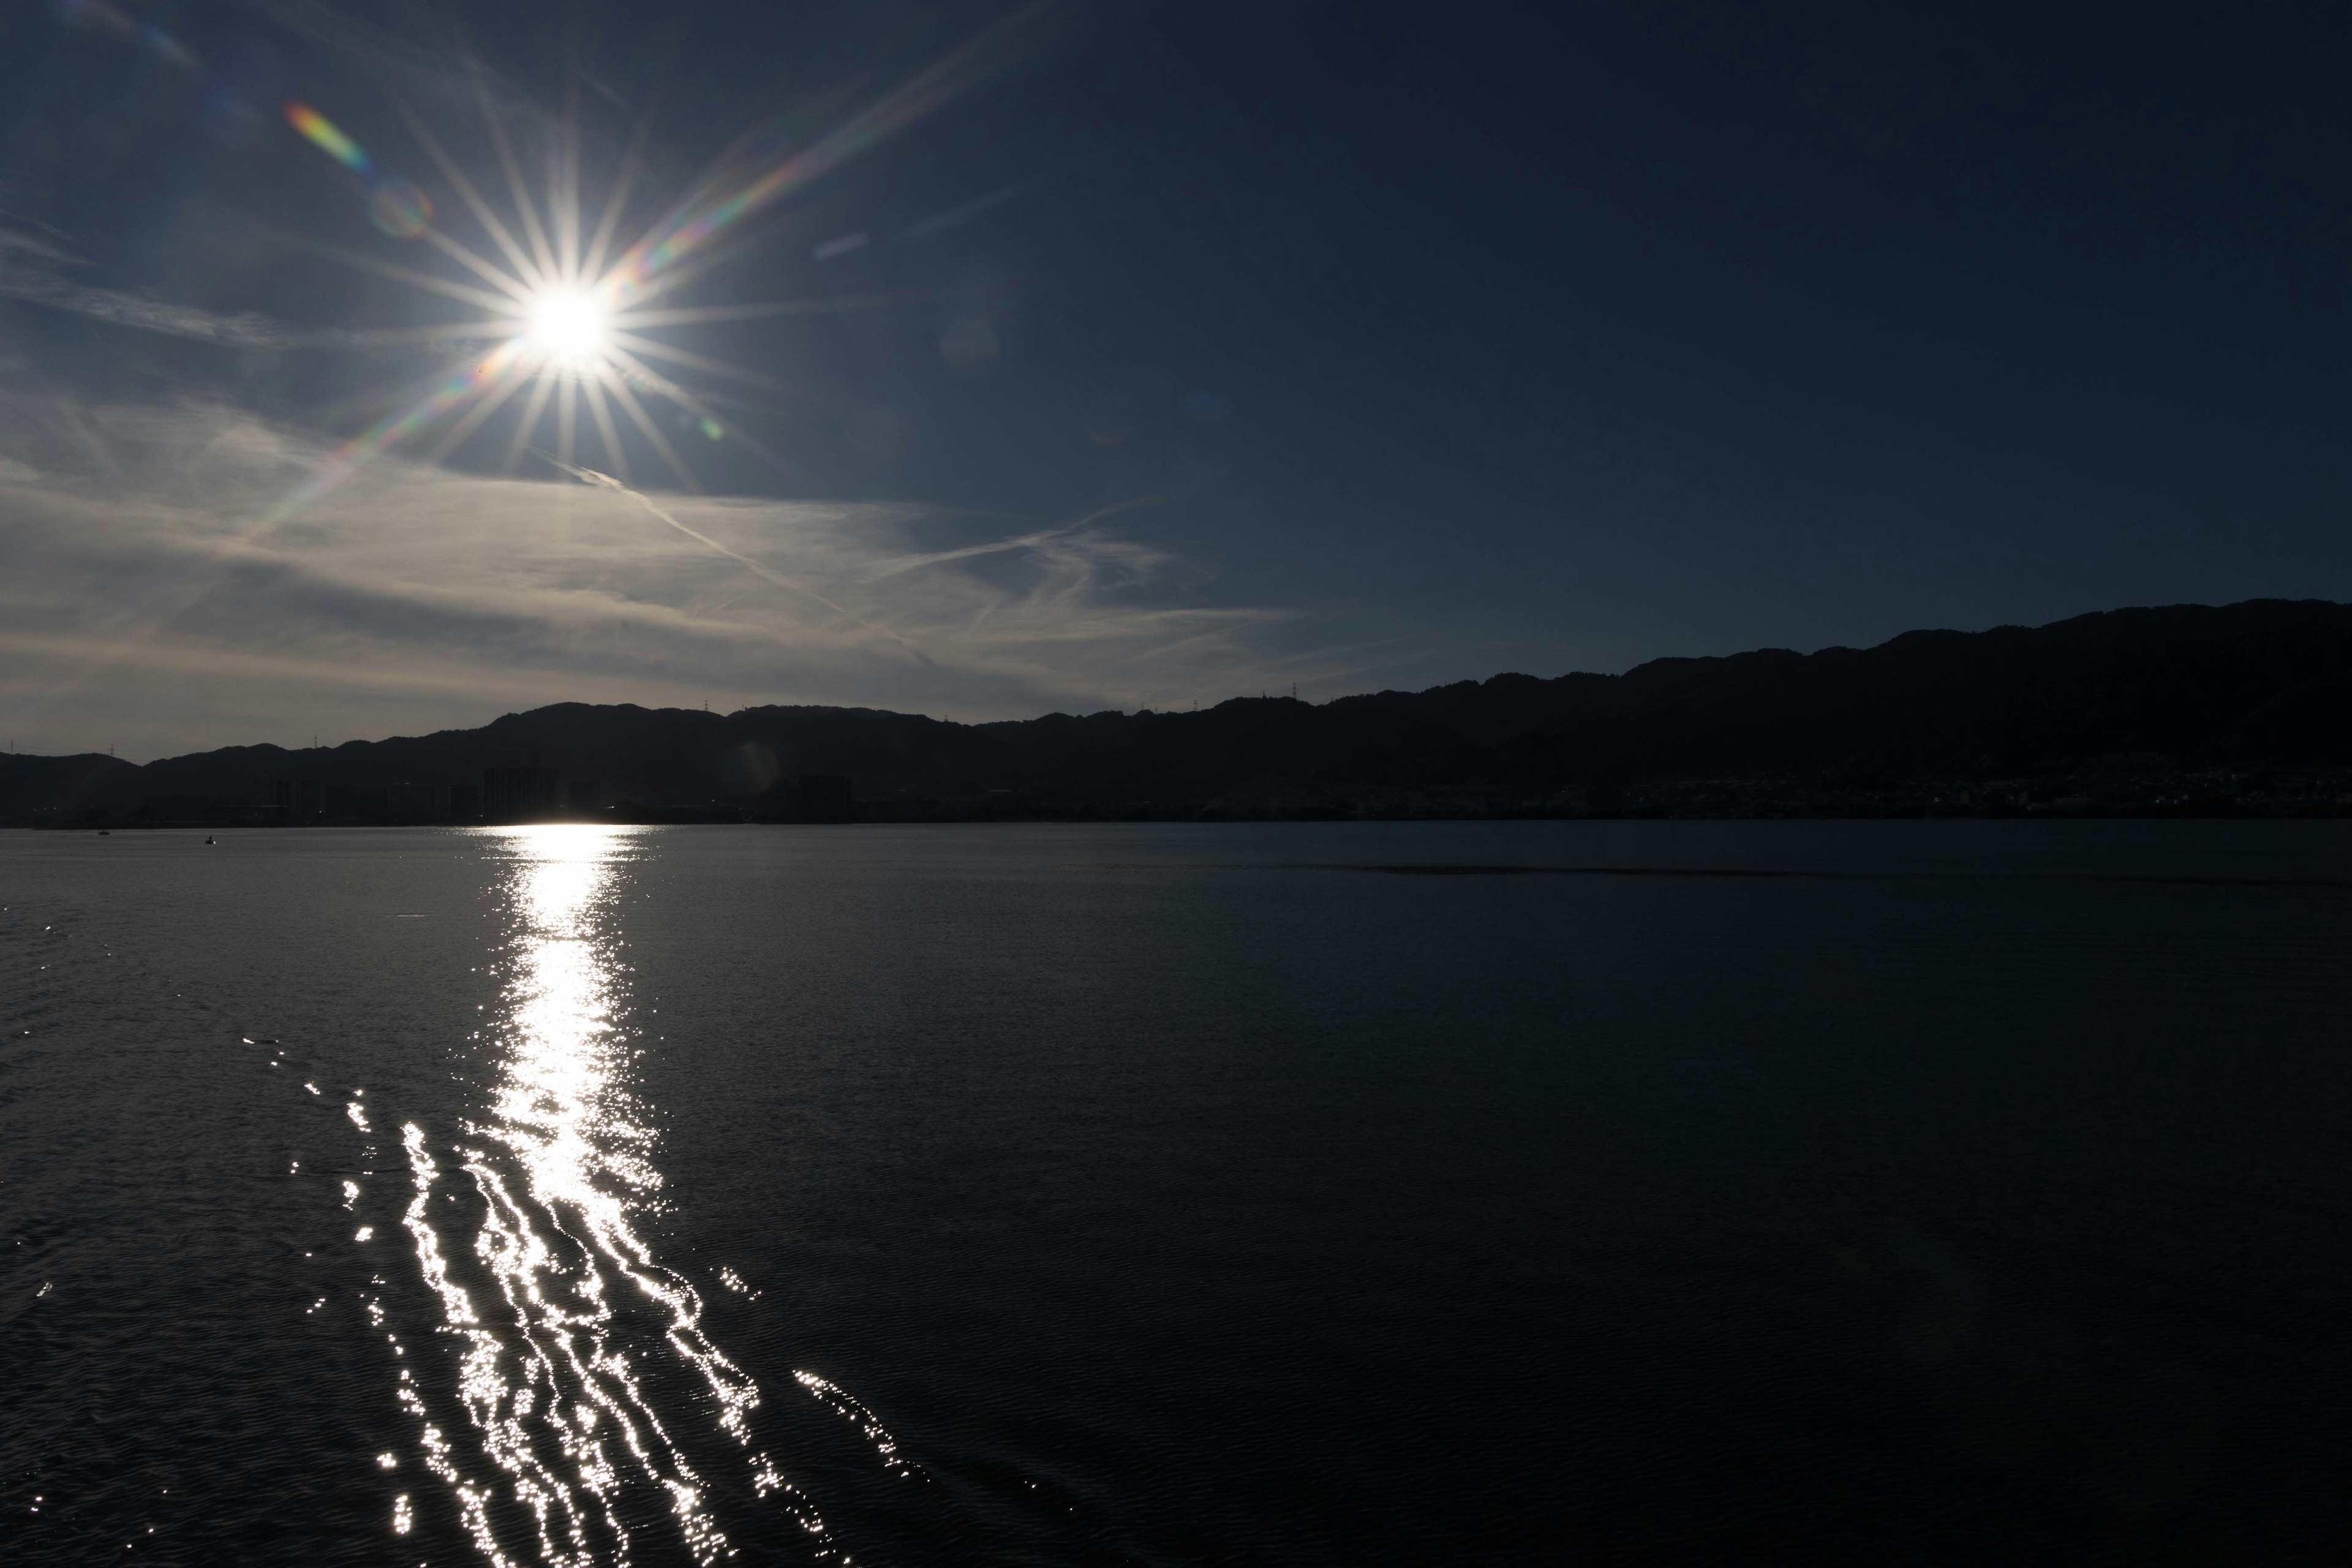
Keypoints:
pixel 177 574
pixel 134 602
pixel 38 270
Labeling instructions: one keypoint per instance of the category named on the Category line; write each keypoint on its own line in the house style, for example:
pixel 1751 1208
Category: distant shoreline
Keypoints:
pixel 2185 711
pixel 2334 807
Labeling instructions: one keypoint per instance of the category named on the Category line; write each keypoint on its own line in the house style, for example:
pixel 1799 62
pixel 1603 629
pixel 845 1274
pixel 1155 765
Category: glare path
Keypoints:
pixel 572 1345
pixel 848 1405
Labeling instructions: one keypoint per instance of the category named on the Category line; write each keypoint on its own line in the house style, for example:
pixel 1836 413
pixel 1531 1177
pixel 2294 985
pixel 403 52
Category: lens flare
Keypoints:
pixel 399 209
pixel 322 133
pixel 572 309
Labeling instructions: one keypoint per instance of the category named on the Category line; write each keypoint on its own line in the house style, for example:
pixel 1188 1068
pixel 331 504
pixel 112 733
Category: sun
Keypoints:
pixel 565 316
pixel 570 327
pixel 565 308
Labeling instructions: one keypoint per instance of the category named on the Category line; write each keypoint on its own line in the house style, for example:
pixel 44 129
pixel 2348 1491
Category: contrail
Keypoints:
pixel 939 223
pixel 1026 541
pixel 606 481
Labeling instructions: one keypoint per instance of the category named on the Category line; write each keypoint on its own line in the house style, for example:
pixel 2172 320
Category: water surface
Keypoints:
pixel 1636 1193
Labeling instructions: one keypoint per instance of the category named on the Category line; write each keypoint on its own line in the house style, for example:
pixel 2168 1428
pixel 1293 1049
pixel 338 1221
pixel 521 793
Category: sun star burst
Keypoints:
pixel 567 328
pixel 567 311
pixel 565 315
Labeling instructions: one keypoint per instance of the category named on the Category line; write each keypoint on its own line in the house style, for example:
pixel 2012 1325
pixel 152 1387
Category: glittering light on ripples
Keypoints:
pixel 549 1297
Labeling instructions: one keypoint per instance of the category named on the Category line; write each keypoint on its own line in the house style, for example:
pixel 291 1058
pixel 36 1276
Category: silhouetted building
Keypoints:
pixel 415 802
pixel 520 794
pixel 818 797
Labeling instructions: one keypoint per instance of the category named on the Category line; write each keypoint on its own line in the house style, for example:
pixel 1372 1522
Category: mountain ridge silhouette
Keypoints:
pixel 2151 695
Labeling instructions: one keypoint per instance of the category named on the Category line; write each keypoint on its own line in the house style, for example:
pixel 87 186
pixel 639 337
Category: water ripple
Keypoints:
pixel 582 1368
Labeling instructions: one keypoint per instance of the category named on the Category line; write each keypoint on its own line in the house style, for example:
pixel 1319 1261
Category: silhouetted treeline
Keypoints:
pixel 2189 708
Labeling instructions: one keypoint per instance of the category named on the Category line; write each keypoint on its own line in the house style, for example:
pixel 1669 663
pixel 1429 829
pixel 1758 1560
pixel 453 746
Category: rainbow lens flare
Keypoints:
pixel 321 132
pixel 567 313
pixel 399 208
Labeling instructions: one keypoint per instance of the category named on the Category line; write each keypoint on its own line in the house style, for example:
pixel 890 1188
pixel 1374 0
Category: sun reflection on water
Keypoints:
pixel 581 1367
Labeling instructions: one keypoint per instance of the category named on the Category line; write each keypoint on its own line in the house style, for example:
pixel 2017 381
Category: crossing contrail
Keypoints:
pixel 606 481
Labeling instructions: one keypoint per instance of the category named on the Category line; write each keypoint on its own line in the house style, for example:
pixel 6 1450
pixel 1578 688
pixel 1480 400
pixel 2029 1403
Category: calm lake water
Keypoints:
pixel 1963 1193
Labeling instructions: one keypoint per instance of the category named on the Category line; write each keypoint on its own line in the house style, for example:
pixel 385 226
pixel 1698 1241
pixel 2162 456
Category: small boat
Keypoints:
pixel 208 839
pixel 106 833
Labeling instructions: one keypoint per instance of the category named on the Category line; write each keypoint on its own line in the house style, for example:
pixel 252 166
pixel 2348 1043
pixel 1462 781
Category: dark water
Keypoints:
pixel 1954 1193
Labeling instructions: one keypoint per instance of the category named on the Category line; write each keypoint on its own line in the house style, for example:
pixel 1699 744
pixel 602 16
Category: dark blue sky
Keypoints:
pixel 1474 337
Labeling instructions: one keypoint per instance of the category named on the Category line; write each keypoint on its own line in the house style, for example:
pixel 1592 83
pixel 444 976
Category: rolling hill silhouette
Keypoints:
pixel 2185 707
